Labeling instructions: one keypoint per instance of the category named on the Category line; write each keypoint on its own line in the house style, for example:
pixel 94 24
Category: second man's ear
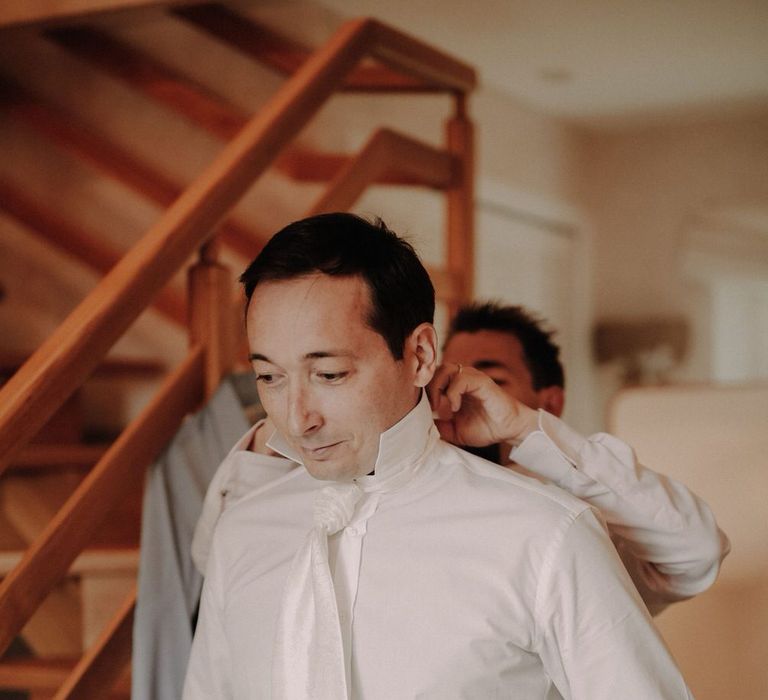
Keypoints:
pixel 421 351
pixel 552 399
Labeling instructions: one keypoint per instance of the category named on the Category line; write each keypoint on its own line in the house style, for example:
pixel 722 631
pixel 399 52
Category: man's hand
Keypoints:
pixel 473 410
pixel 260 437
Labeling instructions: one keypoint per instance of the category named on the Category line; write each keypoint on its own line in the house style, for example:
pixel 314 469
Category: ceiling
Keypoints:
pixel 592 60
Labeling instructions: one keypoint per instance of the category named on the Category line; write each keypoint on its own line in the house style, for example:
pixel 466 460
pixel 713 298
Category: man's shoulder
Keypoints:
pixel 487 480
pixel 257 479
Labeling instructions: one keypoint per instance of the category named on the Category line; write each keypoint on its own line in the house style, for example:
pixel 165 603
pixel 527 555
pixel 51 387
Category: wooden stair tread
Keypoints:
pixel 91 561
pixel 36 674
pixel 50 456
pixel 111 367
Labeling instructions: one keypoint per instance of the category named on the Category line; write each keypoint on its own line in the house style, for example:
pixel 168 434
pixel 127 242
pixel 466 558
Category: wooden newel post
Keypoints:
pixel 460 218
pixel 211 322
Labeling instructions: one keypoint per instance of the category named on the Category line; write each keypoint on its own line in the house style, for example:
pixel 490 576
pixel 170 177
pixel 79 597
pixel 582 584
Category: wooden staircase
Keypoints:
pixel 59 491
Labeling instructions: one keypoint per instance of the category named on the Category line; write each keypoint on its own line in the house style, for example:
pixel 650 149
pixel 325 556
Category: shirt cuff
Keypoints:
pixel 551 451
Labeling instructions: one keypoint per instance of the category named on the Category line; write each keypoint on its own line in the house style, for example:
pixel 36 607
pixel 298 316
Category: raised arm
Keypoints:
pixel 665 534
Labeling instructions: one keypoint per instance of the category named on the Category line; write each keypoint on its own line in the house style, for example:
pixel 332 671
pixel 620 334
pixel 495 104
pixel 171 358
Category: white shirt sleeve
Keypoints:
pixel 594 636
pixel 665 534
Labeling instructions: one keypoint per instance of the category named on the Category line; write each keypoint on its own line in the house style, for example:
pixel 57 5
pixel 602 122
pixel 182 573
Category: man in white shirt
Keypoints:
pixel 666 536
pixel 376 561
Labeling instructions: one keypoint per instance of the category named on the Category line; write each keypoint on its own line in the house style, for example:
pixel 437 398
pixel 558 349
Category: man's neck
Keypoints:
pixel 490 452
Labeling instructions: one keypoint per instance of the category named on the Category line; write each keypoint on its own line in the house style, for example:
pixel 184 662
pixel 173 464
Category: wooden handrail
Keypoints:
pixel 100 668
pixel 72 351
pixel 50 556
pixel 384 152
pixel 405 53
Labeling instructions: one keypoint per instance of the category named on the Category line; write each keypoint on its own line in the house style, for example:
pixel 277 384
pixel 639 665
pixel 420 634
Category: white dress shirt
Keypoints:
pixel 665 534
pixel 454 579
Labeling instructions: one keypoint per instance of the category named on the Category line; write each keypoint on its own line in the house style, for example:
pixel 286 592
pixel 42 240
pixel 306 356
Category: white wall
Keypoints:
pixel 646 190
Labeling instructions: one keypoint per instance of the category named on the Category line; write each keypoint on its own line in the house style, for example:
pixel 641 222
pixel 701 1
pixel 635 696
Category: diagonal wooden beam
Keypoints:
pixel 115 162
pixel 80 244
pixel 285 55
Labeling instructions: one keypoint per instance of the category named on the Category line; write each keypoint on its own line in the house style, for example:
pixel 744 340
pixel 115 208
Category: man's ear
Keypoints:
pixel 552 399
pixel 421 353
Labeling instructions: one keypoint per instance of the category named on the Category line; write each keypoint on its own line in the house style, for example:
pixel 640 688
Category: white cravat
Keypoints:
pixel 308 660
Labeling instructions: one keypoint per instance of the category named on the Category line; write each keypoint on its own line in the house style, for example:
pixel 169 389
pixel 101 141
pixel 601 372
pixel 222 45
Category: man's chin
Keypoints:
pixel 331 469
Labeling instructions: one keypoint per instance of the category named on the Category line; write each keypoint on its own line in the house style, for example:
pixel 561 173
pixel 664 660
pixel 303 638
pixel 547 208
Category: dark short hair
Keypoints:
pixel 346 245
pixel 542 356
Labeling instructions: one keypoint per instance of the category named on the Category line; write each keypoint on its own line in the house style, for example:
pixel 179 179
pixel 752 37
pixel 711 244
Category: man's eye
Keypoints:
pixel 500 382
pixel 332 376
pixel 265 378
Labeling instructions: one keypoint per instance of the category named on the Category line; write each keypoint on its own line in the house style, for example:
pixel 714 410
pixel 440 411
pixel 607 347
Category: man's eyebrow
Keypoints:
pixel 252 357
pixel 489 364
pixel 328 353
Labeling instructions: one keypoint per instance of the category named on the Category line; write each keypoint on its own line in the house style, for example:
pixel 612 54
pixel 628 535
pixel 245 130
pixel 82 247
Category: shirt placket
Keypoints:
pixel 346 574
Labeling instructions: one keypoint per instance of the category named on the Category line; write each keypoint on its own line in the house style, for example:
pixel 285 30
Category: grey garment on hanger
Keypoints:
pixel 169 585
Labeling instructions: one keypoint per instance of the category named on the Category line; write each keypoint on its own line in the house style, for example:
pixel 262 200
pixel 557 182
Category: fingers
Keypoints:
pixel 442 389
pixel 436 387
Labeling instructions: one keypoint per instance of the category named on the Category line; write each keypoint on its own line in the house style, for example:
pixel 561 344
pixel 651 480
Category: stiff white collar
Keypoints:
pixel 402 449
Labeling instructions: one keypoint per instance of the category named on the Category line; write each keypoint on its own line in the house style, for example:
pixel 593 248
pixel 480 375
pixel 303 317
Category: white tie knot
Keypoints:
pixel 335 505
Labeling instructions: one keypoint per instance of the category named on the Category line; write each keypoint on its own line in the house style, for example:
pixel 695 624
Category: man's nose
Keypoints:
pixel 303 417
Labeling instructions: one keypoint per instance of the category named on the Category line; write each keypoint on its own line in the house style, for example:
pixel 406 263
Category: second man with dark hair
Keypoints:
pixel 502 372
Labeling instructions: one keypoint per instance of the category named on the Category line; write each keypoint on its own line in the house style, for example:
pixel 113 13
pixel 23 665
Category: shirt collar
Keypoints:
pixel 402 448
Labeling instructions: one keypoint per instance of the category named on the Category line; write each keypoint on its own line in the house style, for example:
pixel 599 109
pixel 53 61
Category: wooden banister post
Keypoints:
pixel 211 319
pixel 460 220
